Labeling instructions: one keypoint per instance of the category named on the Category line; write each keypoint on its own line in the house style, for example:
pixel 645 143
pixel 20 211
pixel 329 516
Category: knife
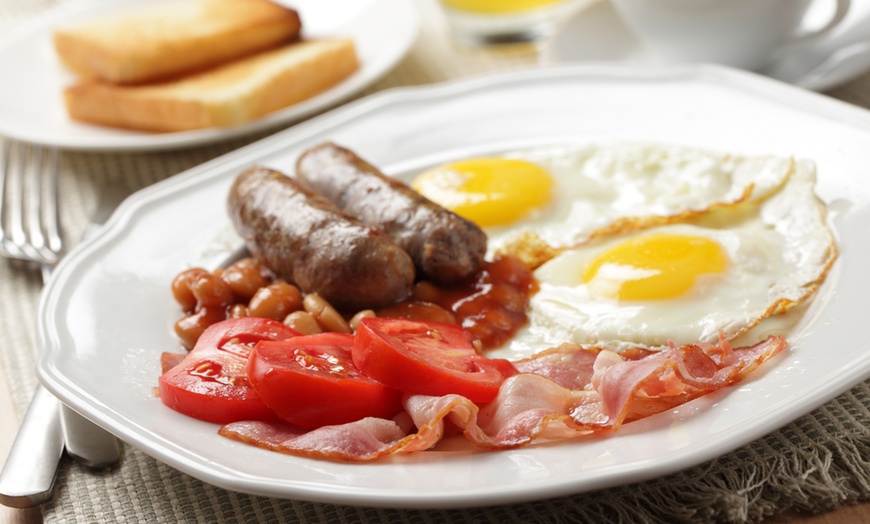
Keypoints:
pixel 49 427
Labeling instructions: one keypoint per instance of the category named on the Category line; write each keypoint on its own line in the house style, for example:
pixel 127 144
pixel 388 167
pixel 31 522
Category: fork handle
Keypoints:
pixel 28 476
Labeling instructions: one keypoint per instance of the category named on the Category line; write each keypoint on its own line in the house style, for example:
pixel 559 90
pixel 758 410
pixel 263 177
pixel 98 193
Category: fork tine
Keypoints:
pixel 11 225
pixel 29 229
pixel 52 216
pixel 32 190
pixel 17 190
pixel 4 168
pixel 41 212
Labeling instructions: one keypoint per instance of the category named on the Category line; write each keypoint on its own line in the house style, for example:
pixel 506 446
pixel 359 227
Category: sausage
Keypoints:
pixel 305 239
pixel 444 246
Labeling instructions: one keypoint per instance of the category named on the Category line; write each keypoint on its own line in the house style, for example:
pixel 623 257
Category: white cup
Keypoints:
pixel 740 33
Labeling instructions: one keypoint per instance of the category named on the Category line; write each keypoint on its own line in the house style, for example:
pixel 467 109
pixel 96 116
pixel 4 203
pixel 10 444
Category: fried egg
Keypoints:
pixel 685 282
pixel 536 202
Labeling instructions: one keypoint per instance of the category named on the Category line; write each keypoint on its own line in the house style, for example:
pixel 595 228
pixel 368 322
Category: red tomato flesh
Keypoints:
pixel 427 358
pixel 211 382
pixel 311 381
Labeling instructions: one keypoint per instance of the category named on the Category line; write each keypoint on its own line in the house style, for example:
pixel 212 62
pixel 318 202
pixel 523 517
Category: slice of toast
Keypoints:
pixel 230 94
pixel 173 38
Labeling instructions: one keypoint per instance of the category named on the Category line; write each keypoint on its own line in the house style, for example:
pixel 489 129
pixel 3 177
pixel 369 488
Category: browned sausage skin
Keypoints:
pixel 444 246
pixel 308 241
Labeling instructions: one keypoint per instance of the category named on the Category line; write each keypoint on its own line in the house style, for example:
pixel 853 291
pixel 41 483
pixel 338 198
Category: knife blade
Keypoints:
pixel 49 427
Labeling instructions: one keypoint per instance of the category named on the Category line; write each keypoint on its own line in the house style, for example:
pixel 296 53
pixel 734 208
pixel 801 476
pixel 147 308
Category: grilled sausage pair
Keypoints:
pixel 346 231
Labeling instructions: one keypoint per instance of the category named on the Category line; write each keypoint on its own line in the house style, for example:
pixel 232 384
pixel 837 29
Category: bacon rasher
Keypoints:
pixel 559 394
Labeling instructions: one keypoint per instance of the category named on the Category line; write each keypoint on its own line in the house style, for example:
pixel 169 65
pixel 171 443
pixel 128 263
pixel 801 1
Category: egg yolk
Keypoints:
pixel 652 267
pixel 487 191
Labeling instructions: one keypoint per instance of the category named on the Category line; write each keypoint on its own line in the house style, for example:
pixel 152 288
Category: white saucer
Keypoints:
pixel 597 34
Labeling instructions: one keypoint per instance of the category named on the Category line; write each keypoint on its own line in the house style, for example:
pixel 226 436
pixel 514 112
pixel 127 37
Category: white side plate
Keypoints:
pixel 31 93
pixel 108 312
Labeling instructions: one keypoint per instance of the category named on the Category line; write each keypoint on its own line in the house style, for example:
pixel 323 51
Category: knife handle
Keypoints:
pixel 86 442
pixel 28 476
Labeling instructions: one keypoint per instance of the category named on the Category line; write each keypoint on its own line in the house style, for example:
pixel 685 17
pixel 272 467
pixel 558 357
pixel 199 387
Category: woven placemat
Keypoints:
pixel 818 462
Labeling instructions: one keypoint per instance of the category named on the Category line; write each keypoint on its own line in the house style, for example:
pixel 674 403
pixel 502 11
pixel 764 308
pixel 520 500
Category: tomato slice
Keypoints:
pixel 428 358
pixel 311 381
pixel 210 383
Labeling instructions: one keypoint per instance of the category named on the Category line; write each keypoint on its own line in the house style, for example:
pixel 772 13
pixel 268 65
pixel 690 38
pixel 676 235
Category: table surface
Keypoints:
pixel 433 58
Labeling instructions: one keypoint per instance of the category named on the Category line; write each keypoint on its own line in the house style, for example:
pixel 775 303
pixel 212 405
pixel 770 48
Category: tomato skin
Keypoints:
pixel 311 381
pixel 211 383
pixel 427 358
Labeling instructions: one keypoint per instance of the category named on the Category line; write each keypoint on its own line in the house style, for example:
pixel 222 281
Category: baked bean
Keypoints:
pixel 191 327
pixel 418 311
pixel 326 315
pixel 182 287
pixel 210 290
pixel 425 292
pixel 247 276
pixel 356 319
pixel 237 311
pixel 510 298
pixel 275 301
pixel 498 319
pixel 303 322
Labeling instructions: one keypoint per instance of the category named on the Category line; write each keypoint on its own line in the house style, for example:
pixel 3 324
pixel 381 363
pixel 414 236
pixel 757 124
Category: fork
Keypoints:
pixel 30 232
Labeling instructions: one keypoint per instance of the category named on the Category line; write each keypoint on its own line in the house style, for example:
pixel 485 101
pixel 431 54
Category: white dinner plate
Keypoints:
pixel 107 313
pixel 31 93
pixel 597 34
